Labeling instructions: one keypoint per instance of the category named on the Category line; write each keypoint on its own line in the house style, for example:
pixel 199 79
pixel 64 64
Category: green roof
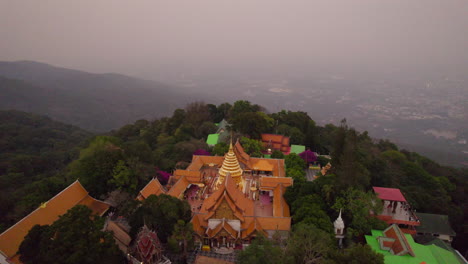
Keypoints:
pixel 434 224
pixel 431 254
pixel 212 139
pixel 297 149
pixel 222 126
pixel 441 244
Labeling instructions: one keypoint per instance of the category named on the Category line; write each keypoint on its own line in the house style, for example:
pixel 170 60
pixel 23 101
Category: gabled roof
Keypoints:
pixel 422 254
pixel 254 226
pixel 178 188
pixel 223 226
pixel 153 187
pixel 389 194
pixel 121 237
pixel 48 213
pixel 434 224
pixel 240 153
pixel 234 196
pixel 400 245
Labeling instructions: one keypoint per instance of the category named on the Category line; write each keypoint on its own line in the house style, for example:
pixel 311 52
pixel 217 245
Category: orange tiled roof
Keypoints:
pixel 122 239
pixel 74 194
pixel 253 226
pixel 208 260
pixel 230 193
pixel 153 187
pixel 271 182
pixel 273 138
pixel 223 225
pixel 178 188
pixel 280 207
pixel 275 223
pixel 276 164
pixel 240 153
pixel 262 165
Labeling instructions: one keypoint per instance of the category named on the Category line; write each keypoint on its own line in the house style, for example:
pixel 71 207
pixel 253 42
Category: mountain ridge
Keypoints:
pixel 96 102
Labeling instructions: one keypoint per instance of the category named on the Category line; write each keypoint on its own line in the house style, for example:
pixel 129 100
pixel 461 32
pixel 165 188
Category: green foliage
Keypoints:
pixel 123 177
pixel 252 147
pixel 261 251
pixel 34 151
pixel 356 205
pixel 295 166
pixel 183 236
pixel 277 155
pixel 241 107
pixel 358 254
pixel 251 123
pixel 220 149
pixel 308 244
pixel 95 166
pixel 76 237
pixel 160 213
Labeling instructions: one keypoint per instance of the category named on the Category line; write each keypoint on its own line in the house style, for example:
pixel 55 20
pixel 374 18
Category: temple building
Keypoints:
pixel 273 142
pixel 46 214
pixel 396 210
pixel 233 198
pixel 398 247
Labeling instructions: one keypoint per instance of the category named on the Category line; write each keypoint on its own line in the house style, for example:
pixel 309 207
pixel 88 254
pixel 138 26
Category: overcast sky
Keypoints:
pixel 141 37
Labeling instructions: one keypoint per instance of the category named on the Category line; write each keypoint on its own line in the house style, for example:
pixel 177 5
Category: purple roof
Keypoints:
pixel 201 152
pixel 308 156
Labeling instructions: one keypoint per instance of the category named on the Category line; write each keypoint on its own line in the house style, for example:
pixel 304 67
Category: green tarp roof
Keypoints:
pixel 431 254
pixel 212 139
pixel 297 149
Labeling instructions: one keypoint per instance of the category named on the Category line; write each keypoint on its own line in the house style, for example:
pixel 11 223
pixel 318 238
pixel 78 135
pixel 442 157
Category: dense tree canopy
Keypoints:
pixel 160 213
pixel 126 159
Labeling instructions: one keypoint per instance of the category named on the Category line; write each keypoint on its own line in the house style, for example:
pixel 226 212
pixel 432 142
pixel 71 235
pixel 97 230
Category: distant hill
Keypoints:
pixel 96 102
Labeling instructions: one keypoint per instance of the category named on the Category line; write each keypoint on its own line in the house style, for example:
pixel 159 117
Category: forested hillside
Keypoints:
pixel 96 102
pixel 33 151
pixel 118 164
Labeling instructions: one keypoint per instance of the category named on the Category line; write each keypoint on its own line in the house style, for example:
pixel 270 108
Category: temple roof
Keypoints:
pixel 48 213
pixel 389 194
pixel 178 189
pixel 435 224
pixel 228 191
pixel 153 187
pixel 431 254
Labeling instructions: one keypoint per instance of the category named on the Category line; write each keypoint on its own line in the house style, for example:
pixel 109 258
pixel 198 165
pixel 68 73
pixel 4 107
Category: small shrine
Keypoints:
pixel 339 229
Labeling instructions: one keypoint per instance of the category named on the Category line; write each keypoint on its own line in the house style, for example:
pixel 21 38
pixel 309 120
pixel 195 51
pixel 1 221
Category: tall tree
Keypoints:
pixel 183 235
pixel 160 213
pixel 262 251
pixel 308 244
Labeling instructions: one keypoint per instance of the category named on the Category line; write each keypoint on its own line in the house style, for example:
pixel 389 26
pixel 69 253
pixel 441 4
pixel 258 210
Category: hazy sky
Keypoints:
pixel 142 37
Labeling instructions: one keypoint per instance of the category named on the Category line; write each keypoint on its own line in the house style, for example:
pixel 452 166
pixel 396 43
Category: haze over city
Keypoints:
pixel 146 38
pixel 395 68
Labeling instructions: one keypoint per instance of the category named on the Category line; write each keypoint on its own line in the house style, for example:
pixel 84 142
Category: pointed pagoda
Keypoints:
pixel 231 167
pixel 234 198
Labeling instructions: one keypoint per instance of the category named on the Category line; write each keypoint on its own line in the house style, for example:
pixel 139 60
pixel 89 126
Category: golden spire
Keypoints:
pixel 230 166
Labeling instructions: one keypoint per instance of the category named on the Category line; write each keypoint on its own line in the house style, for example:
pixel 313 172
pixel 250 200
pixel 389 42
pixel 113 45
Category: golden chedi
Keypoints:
pixel 230 166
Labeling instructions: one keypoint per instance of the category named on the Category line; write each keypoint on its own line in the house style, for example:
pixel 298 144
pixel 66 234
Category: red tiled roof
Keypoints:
pixel 389 194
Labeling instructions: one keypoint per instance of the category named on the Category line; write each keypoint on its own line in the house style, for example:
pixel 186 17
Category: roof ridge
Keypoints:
pixel 38 208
